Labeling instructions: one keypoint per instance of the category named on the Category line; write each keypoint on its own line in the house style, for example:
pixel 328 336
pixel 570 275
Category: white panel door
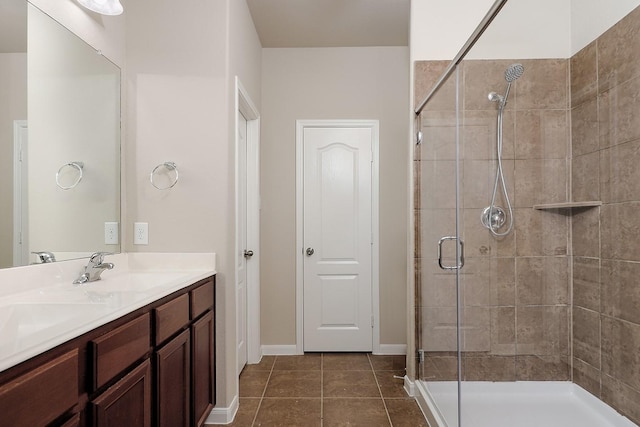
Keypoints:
pixel 337 239
pixel 241 244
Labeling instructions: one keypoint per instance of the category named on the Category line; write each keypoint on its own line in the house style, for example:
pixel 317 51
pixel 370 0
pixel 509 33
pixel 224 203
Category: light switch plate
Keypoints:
pixel 111 233
pixel 141 233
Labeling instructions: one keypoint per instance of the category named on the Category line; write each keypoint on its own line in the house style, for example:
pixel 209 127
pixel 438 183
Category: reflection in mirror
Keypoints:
pixel 60 188
pixel 13 113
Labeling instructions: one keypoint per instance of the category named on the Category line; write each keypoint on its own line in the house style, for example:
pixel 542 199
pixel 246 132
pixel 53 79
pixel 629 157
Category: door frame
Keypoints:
pixel 375 189
pixel 245 106
pixel 20 200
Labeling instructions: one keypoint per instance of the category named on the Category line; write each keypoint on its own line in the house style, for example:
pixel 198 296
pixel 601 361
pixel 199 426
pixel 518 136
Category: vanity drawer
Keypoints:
pixel 201 299
pixel 115 351
pixel 171 317
pixel 42 395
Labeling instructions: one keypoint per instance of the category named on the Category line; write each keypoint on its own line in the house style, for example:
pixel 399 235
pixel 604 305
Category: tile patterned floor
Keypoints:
pixel 327 390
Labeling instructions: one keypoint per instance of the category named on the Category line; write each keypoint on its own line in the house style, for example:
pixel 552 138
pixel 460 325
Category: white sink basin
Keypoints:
pixel 136 281
pixel 25 323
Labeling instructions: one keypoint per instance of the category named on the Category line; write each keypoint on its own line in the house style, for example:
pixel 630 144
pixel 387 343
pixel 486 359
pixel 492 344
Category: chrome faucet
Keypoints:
pixel 45 257
pixel 94 268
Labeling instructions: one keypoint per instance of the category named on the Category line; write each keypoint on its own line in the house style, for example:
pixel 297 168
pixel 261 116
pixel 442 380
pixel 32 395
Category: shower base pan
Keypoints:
pixel 516 404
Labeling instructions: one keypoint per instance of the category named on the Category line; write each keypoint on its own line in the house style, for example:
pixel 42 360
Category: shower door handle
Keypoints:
pixel 461 253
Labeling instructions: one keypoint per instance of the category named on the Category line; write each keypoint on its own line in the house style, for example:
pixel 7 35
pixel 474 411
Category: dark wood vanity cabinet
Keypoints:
pixel 184 356
pixel 154 366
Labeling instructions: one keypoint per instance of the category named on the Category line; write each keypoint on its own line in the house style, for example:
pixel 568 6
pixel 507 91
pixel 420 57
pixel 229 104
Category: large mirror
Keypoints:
pixel 59 141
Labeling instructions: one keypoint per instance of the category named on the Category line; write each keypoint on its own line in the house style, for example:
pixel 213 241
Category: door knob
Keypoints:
pixel 248 254
pixel 310 251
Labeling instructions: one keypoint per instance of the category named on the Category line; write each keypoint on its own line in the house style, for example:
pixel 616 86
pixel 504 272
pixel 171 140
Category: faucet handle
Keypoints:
pixel 98 257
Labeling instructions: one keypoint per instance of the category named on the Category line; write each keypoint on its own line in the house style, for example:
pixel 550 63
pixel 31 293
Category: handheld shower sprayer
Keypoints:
pixel 494 217
pixel 511 74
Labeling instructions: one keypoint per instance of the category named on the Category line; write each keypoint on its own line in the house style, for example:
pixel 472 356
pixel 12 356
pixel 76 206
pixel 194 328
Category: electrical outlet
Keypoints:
pixel 111 233
pixel 141 233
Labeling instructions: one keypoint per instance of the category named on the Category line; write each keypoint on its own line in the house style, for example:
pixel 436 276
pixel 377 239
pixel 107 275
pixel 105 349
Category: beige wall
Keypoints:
pixel 438 29
pixel 180 92
pixel 590 18
pixel 13 106
pixel 105 33
pixel 331 83
pixel 245 56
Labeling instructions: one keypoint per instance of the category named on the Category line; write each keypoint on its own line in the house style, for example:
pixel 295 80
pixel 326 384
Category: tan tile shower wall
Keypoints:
pixel 605 99
pixel 514 290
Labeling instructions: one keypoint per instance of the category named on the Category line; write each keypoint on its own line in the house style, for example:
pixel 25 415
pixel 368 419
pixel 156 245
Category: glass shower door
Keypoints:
pixel 439 251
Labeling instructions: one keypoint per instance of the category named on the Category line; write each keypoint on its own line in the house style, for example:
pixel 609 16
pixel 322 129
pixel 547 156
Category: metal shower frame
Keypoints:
pixel 484 24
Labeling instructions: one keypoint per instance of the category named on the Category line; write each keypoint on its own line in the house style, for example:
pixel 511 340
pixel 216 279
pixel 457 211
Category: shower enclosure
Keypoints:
pixel 527 221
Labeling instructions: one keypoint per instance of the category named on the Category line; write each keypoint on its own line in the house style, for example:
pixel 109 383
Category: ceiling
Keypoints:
pixel 331 23
pixel 280 23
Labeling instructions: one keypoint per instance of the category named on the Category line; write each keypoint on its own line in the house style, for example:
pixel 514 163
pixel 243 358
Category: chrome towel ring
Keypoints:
pixel 167 168
pixel 75 166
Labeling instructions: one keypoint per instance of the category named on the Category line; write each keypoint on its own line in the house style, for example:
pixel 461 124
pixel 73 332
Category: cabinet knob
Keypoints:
pixel 248 254
pixel 310 251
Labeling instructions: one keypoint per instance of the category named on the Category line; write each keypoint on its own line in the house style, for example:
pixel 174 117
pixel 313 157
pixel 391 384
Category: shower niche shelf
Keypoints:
pixel 568 205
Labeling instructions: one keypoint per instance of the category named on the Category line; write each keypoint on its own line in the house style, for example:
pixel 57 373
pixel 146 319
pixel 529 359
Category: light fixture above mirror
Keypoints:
pixel 104 7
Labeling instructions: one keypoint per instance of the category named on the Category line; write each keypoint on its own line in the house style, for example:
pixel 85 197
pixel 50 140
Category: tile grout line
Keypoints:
pixel 264 391
pixel 321 389
pixel 384 404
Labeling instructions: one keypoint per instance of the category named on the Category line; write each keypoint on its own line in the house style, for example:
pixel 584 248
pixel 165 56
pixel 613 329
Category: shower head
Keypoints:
pixel 513 72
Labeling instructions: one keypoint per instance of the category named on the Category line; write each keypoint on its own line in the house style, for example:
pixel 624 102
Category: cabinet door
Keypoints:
pixel 173 373
pixel 203 368
pixel 127 402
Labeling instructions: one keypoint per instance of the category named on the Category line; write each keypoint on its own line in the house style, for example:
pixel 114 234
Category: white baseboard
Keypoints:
pixel 409 386
pixel 254 358
pixel 279 350
pixel 223 415
pixel 391 349
pixel 291 350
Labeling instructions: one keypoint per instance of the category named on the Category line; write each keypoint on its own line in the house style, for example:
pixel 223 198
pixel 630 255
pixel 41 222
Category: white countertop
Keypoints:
pixel 40 308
